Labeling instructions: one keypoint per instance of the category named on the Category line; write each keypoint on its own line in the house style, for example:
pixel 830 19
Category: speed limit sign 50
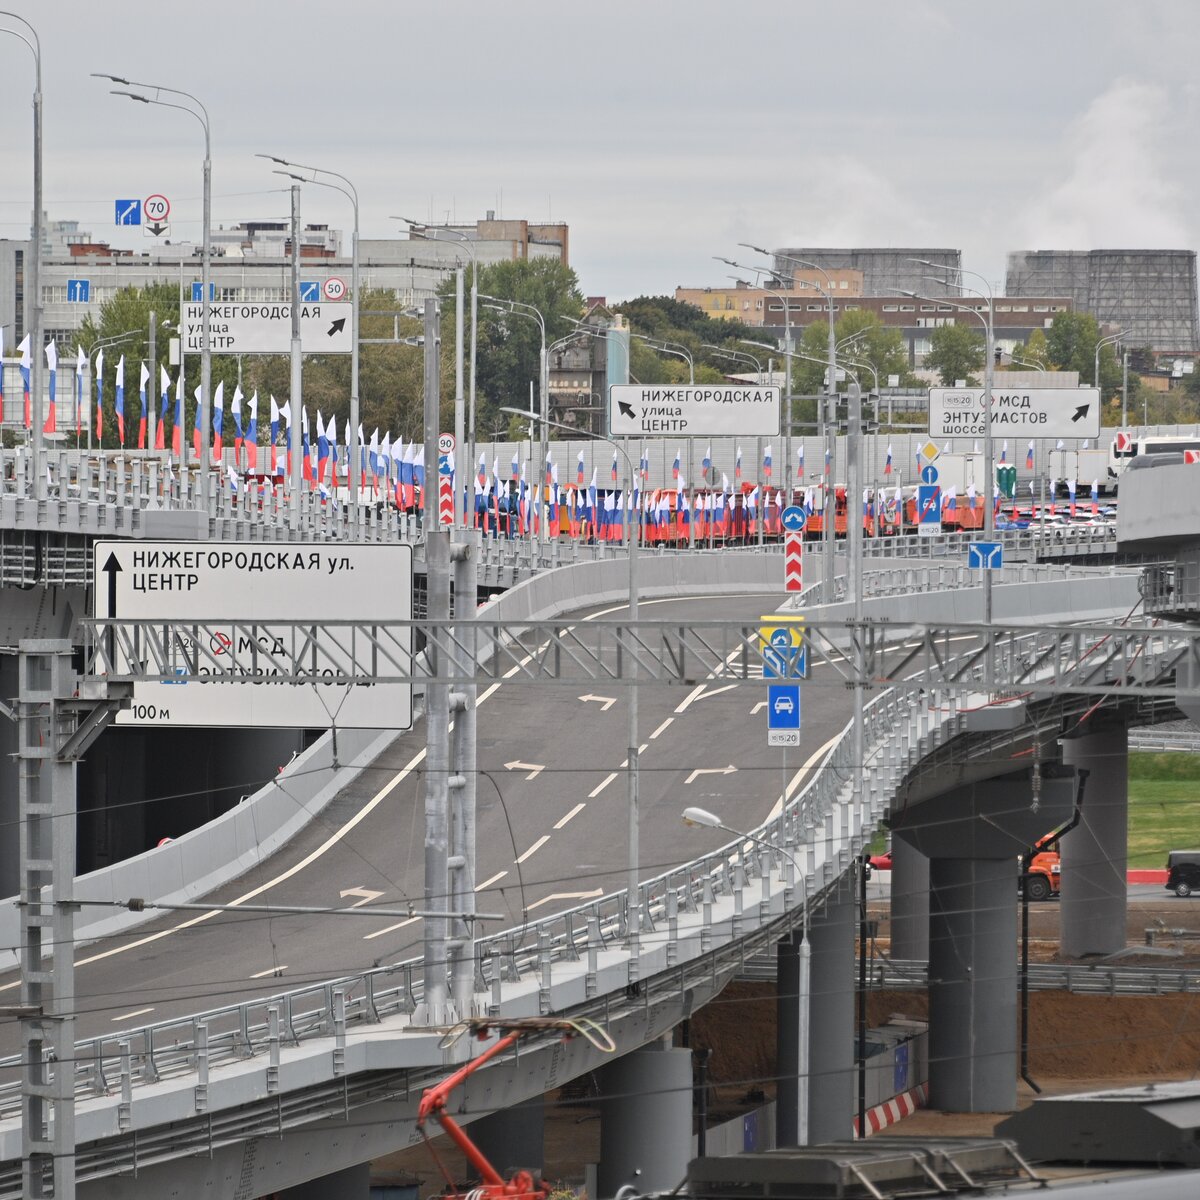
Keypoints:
pixel 334 288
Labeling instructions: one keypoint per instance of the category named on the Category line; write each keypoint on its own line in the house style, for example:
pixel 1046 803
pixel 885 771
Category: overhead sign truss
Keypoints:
pixel 1115 660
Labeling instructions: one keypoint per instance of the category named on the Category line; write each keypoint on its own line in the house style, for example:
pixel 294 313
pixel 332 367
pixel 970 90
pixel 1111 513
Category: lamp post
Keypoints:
pixel 735 355
pixel 1110 339
pixel 206 258
pixel 351 194
pixel 520 309
pixel 98 347
pixel 708 820
pixel 632 907
pixel 465 242
pixel 33 273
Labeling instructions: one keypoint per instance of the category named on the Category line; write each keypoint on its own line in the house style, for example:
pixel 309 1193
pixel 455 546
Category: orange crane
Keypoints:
pixel 522 1185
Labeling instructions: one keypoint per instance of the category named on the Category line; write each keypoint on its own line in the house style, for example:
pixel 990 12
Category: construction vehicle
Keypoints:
pixel 523 1185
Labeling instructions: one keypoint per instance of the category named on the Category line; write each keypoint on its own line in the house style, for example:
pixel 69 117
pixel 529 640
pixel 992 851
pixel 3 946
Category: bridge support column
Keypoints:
pixel 793 988
pixel 646 1120
pixel 512 1138
pixel 831 1026
pixel 910 902
pixel 973 984
pixel 1095 853
pixel 354 1183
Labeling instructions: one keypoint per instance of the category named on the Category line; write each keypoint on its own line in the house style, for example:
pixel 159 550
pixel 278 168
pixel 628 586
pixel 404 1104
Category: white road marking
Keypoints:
pixel 663 726
pixel 566 896
pixel 487 883
pixel 758 707
pixel 729 770
pixel 137 1012
pixel 698 693
pixel 573 813
pixel 794 782
pixel 602 785
pixel 533 770
pixel 269 971
pixel 606 701
pixel 390 929
pixel 534 848
pixel 367 895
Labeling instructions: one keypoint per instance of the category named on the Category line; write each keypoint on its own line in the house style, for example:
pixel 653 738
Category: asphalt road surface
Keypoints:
pixel 552 831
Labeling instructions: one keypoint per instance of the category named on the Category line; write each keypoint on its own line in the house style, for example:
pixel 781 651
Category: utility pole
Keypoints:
pixel 151 385
pixel 294 393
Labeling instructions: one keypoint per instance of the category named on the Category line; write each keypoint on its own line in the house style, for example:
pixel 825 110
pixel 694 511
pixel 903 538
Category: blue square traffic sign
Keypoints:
pixel 985 556
pixel 310 291
pixel 128 212
pixel 784 655
pixel 783 706
pixel 79 291
pixel 929 506
pixel 198 292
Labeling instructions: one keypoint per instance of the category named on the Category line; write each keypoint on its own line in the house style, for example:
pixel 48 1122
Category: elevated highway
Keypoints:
pixel 340 1064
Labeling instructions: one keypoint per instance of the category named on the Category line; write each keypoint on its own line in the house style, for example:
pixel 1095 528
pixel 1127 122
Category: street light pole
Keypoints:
pixel 354 475
pixel 204 416
pixel 33 271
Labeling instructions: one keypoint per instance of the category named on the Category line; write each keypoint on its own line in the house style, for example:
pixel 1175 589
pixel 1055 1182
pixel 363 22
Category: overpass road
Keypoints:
pixel 551 832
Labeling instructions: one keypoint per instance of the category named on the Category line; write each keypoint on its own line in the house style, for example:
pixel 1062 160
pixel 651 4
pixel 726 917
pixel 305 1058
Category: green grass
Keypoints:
pixel 1164 806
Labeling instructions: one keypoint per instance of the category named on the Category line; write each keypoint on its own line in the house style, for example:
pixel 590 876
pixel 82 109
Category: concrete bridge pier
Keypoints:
pixel 910 902
pixel 831 1087
pixel 1095 853
pixel 513 1138
pixel 645 1119
pixel 972 836
pixel 353 1183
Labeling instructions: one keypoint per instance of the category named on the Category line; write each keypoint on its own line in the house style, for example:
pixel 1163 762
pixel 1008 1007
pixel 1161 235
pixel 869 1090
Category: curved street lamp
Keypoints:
pixel 206 258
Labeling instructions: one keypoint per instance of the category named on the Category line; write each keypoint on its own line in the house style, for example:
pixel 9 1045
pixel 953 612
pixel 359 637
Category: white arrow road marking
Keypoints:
pixel 729 770
pixel 487 883
pixel 607 701
pixel 698 693
pixel 534 769
pixel 566 896
pixel 534 848
pixel 366 894
pixel 269 971
pixel 573 813
pixel 137 1012
pixel 758 707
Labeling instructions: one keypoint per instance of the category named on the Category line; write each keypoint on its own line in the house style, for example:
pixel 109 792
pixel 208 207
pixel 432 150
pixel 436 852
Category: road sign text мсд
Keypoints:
pixel 1016 412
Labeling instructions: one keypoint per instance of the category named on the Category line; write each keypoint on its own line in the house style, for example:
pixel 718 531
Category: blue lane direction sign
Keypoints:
pixel 793 518
pixel 783 714
pixel 79 291
pixel 985 556
pixel 128 212
pixel 198 292
pixel 783 652
pixel 929 473
pixel 310 291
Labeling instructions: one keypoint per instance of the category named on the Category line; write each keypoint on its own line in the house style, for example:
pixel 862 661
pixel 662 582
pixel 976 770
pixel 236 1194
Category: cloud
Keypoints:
pixel 1120 184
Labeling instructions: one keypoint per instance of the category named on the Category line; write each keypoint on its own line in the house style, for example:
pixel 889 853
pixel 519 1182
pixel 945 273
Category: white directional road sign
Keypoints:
pixel 693 410
pixel 252 328
pixel 1016 412
pixel 255 582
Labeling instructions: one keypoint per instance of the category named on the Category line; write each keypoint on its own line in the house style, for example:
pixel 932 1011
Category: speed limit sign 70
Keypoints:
pixel 156 208
pixel 334 288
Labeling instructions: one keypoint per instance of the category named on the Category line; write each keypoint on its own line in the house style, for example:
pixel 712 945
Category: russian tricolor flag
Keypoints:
pixel 887 466
pixel 706 463
pixel 120 401
pixel 767 462
pixel 675 464
pixel 1029 458
pixel 50 424
pixel 143 393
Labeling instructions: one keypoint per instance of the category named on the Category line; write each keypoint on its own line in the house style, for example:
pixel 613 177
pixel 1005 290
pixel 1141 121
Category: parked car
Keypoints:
pixel 882 862
pixel 1183 872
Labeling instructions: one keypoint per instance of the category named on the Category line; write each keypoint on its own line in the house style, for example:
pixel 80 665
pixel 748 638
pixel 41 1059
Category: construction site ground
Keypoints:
pixel 1078 1042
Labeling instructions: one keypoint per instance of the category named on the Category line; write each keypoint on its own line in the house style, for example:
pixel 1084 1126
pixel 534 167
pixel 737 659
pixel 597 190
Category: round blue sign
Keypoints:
pixel 793 519
pixel 929 474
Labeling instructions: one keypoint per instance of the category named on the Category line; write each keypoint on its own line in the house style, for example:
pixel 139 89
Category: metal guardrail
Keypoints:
pixel 913 975
pixel 1165 740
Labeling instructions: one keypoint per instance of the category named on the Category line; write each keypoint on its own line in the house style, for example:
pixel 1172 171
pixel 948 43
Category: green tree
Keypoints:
pixel 956 352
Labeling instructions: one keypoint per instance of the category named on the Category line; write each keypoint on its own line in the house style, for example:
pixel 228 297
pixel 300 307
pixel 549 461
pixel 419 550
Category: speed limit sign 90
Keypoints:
pixel 156 208
pixel 334 288
pixel 445 443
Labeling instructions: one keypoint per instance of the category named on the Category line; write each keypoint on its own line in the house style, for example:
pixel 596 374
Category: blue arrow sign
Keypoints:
pixel 793 519
pixel 783 706
pixel 310 291
pixel 129 212
pixel 444 467
pixel 929 473
pixel 79 291
pixel 985 556
pixel 786 657
pixel 198 292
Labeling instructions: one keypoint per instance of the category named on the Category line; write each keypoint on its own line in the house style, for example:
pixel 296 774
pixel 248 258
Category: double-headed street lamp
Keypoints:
pixel 351 194
pixel 206 256
pixel 33 274
pixel 1110 339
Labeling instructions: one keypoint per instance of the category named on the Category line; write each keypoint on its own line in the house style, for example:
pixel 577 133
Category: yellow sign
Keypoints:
pixel 929 451
pixel 781 643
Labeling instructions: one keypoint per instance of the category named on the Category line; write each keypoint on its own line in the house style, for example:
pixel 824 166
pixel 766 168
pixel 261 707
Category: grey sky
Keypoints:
pixel 663 133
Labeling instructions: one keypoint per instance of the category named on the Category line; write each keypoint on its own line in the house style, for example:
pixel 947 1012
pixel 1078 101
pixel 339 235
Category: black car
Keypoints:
pixel 1183 872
